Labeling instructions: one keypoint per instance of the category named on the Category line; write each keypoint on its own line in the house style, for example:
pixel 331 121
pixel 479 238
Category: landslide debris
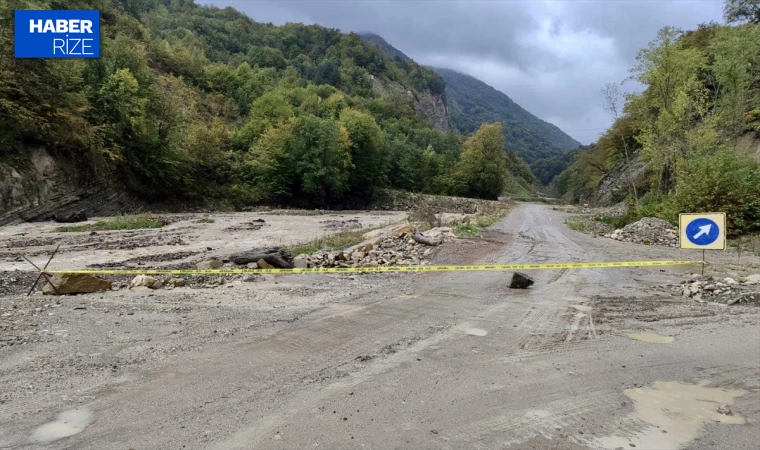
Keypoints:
pixel 648 231
pixel 705 288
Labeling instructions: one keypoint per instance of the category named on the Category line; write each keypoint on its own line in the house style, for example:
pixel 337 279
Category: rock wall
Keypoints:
pixel 41 185
pixel 431 106
pixel 616 185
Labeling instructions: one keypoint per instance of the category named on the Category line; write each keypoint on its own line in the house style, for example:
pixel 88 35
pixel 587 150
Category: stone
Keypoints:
pixel 250 278
pixel 300 263
pixel 754 278
pixel 263 264
pixel 145 281
pixel 176 282
pixel 402 230
pixel 212 263
pixel 358 255
pixel 252 265
pixel 75 283
pixel 520 281
pixel 726 410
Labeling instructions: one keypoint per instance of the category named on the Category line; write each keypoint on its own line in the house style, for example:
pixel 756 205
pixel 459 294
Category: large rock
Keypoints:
pixel 520 281
pixel 79 216
pixel 210 264
pixel 300 263
pixel 146 281
pixel 402 230
pixel 75 283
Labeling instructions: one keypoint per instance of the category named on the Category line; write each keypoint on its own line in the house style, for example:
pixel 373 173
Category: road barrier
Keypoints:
pixel 455 268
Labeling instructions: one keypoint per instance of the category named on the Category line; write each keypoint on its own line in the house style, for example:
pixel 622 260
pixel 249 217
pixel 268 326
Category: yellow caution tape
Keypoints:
pixel 577 265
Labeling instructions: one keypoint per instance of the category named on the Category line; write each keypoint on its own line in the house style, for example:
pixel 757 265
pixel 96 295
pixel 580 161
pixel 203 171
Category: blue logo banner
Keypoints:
pixel 57 33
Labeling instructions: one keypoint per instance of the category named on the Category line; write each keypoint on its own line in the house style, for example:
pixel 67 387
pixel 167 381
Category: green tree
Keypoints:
pixel 741 11
pixel 366 149
pixel 481 171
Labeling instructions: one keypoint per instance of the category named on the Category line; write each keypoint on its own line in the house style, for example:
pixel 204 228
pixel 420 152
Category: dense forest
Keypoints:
pixel 196 102
pixel 689 126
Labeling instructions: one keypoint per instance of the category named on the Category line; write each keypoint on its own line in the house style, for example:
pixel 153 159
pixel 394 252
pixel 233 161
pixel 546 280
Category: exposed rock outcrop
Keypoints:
pixel 42 186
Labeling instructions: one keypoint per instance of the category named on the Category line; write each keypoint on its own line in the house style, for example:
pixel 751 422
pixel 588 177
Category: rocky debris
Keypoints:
pixel 726 410
pixel 273 256
pixel 75 283
pixel 394 247
pixel 340 224
pixel 254 225
pixel 425 240
pixel 649 231
pixel 146 281
pixel 79 216
pixel 212 263
pixel 727 290
pixel 520 281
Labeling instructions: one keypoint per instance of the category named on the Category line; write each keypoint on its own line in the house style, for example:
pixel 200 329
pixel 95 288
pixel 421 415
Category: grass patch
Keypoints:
pixel 336 241
pixel 118 223
pixel 745 245
pixel 576 224
pixel 473 225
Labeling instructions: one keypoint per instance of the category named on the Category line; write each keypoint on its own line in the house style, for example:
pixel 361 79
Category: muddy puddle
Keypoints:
pixel 651 338
pixel 68 423
pixel 674 413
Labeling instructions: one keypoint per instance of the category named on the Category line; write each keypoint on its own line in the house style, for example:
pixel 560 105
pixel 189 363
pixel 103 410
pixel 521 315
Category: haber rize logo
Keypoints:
pixel 57 33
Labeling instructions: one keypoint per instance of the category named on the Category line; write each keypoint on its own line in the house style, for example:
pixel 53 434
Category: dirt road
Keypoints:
pixel 439 360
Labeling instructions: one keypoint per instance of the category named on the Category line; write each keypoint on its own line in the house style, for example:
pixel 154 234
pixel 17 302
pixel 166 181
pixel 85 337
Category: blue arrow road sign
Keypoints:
pixel 702 231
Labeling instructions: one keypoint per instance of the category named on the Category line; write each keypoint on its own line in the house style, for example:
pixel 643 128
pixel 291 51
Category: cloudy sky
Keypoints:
pixel 551 57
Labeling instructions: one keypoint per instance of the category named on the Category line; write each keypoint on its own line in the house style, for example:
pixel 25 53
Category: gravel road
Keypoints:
pixel 583 359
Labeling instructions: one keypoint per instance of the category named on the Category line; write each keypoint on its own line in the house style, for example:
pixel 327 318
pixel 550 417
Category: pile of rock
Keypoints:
pixel 649 231
pixel 395 247
pixel 727 290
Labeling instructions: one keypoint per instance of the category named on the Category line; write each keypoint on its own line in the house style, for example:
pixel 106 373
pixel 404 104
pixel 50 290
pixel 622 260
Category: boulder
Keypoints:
pixel 252 265
pixel 403 230
pixel 145 281
pixel 176 281
pixel 212 263
pixel 263 264
pixel 79 216
pixel 300 263
pixel 75 283
pixel 520 281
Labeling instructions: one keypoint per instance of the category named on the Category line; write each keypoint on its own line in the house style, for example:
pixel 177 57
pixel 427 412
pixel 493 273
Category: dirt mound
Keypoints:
pixel 648 231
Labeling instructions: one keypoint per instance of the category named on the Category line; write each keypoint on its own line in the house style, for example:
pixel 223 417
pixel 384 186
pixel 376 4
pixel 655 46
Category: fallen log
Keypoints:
pixel 274 256
pixel 422 239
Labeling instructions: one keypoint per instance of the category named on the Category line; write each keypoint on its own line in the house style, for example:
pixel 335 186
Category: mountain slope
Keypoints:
pixel 472 102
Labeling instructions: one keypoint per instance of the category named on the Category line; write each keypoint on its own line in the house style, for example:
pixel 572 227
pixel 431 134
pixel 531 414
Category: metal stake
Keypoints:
pixel 42 272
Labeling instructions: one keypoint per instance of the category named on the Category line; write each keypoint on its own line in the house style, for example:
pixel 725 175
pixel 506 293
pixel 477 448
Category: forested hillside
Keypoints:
pixel 472 103
pixel 196 102
pixel 694 129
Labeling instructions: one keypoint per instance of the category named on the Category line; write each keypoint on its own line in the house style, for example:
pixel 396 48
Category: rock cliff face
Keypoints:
pixel 43 185
pixel 431 106
pixel 616 184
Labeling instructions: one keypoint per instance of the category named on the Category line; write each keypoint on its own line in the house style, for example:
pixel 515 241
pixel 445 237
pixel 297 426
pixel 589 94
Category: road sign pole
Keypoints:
pixel 703 262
